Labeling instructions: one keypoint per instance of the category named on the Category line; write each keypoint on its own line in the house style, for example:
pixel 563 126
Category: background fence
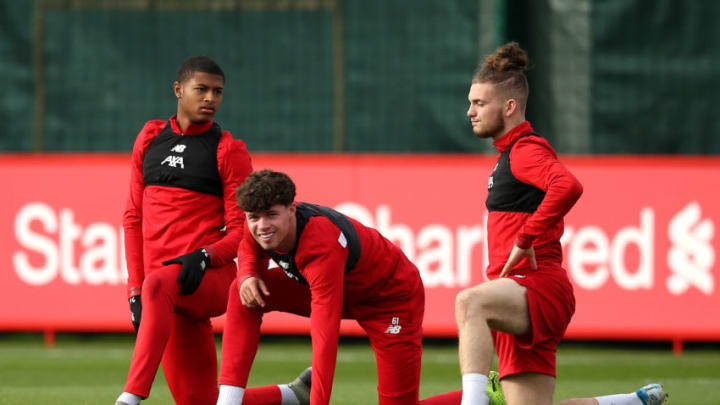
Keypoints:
pixel 619 76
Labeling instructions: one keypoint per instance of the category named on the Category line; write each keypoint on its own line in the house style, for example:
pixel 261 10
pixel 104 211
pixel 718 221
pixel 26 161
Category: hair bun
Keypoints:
pixel 507 58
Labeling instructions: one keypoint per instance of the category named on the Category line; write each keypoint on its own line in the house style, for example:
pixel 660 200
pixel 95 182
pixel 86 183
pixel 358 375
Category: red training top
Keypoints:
pixel 163 222
pixel 382 276
pixel 534 162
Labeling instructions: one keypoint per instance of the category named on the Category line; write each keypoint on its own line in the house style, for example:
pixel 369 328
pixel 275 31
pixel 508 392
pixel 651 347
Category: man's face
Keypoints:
pixel 200 96
pixel 273 229
pixel 486 111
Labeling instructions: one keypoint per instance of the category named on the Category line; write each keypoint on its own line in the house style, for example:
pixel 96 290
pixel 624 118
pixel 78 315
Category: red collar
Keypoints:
pixel 512 135
pixel 192 129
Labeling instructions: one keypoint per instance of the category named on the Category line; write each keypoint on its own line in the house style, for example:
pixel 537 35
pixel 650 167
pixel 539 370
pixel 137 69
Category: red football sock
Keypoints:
pixel 267 395
pixel 448 398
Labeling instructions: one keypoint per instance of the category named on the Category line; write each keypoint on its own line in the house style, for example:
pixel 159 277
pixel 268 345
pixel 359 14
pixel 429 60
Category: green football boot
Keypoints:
pixel 495 389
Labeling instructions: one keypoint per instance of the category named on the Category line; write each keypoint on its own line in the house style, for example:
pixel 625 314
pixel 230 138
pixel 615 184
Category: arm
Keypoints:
pixel 534 162
pixel 321 259
pixel 234 165
pixel 132 217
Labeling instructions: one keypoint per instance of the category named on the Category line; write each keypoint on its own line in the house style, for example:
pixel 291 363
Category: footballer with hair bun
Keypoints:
pixel 523 311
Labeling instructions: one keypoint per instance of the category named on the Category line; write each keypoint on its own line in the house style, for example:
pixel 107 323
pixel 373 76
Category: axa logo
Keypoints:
pixel 394 327
pixel 174 161
pixel 178 148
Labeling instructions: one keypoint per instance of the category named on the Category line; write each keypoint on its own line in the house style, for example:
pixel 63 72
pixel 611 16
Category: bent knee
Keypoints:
pixel 469 303
pixel 461 303
pixel 157 284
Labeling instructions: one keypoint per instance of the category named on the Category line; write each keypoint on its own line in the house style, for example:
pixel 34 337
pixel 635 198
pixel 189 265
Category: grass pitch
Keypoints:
pixel 91 369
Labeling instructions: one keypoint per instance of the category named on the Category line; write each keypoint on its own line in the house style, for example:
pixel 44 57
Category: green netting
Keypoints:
pixel 16 76
pixel 655 76
pixel 361 75
pixel 108 71
pixel 302 75
pixel 408 72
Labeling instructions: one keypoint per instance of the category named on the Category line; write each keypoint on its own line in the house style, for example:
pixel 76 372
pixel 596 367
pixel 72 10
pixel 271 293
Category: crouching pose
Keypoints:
pixel 331 267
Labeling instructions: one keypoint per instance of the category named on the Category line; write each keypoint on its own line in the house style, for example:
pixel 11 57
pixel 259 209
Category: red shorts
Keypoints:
pixel 551 304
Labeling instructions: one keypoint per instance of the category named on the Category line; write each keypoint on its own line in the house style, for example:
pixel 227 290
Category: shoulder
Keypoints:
pixel 320 244
pixel 148 132
pixel 228 144
pixel 153 127
pixel 232 153
pixel 319 234
pixel 319 225
pixel 532 145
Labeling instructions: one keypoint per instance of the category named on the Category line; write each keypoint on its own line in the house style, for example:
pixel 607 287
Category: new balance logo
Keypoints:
pixel 174 161
pixel 342 240
pixel 490 182
pixel 394 327
pixel 178 148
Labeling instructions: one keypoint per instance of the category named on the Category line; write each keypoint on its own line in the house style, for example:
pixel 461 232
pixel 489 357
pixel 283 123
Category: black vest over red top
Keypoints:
pixel 305 211
pixel 506 193
pixel 185 161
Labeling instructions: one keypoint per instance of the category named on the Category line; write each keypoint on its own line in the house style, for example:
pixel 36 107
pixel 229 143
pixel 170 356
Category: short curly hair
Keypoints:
pixel 264 189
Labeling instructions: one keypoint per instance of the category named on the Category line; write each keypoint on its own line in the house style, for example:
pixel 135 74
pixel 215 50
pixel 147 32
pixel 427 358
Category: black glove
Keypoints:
pixel 193 270
pixel 135 311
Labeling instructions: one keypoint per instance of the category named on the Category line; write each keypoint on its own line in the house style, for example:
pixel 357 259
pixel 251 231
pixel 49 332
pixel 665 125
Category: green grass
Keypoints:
pixel 91 369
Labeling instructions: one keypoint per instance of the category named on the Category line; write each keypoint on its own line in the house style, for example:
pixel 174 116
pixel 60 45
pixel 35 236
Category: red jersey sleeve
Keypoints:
pixel 132 217
pixel 321 260
pixel 534 162
pixel 234 165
